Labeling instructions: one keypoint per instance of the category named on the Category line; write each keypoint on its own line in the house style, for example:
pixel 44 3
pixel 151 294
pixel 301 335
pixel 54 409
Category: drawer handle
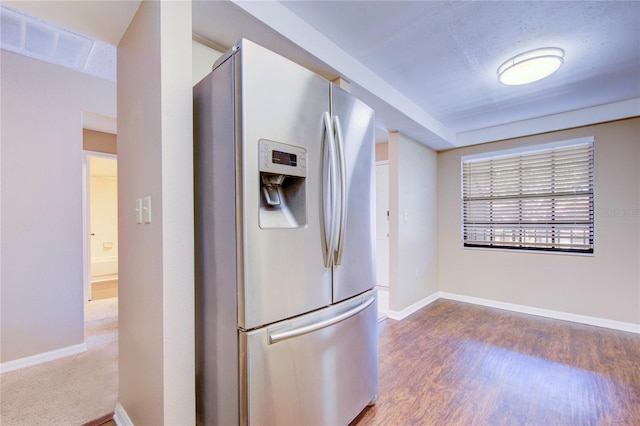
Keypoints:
pixel 275 337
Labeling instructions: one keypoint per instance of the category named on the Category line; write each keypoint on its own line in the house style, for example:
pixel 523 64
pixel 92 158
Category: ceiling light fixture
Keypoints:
pixel 531 66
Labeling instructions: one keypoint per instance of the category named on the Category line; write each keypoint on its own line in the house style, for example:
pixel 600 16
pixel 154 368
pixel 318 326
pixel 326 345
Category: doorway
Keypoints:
pixel 382 235
pixel 101 226
pixel 100 245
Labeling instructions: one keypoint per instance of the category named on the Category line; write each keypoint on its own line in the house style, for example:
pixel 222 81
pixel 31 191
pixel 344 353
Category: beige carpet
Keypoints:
pixel 73 390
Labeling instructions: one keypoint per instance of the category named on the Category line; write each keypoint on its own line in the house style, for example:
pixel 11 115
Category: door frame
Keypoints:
pixel 86 219
pixel 386 163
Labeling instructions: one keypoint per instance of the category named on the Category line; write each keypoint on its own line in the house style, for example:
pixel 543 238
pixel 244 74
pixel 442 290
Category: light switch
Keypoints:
pixel 146 209
pixel 139 210
pixel 405 216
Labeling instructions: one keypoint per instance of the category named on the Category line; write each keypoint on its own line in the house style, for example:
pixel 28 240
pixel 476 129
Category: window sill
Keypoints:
pixel 553 253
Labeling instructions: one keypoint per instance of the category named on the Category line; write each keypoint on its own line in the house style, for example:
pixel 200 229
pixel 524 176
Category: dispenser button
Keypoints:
pixel 272 195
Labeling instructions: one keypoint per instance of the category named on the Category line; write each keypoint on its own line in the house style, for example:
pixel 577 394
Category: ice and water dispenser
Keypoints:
pixel 283 171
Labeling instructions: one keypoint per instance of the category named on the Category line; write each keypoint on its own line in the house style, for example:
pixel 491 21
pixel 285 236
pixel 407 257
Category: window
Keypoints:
pixel 539 199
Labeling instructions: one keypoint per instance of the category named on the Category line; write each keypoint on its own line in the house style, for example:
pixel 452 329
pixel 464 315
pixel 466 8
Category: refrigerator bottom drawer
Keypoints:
pixel 317 369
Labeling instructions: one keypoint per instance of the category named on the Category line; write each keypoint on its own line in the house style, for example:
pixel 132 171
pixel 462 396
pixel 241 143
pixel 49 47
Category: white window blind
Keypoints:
pixel 536 200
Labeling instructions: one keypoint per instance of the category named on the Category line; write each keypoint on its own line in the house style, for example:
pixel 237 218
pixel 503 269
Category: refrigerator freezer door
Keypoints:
pixel 322 368
pixel 216 316
pixel 355 265
pixel 284 274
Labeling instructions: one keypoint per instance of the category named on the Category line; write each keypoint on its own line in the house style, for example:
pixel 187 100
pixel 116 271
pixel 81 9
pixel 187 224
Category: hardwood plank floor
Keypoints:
pixel 454 363
pixel 106 420
pixel 104 289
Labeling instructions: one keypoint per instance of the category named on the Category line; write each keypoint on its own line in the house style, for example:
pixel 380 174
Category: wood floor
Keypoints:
pixel 106 420
pixel 453 363
pixel 104 289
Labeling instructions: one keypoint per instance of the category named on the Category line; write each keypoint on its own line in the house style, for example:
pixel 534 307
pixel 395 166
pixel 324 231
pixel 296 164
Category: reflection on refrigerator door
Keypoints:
pixel 314 369
pixel 285 312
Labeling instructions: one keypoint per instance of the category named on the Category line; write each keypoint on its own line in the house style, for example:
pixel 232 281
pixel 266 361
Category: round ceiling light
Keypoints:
pixel 531 66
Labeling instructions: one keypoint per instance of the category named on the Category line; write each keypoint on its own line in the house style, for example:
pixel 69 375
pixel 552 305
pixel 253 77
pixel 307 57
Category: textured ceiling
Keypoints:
pixel 444 55
pixel 427 67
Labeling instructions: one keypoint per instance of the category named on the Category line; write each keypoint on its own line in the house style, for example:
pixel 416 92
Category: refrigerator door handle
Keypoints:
pixel 275 337
pixel 333 187
pixel 343 190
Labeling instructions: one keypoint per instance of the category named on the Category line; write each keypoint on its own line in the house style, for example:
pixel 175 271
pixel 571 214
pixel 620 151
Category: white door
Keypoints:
pixel 382 224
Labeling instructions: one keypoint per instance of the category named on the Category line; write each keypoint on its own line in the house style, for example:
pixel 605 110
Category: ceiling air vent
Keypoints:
pixel 10 31
pixel 28 36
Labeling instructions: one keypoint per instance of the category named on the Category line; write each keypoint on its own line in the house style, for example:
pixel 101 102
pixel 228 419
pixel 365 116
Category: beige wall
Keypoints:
pixel 413 227
pixel 155 158
pixel 103 202
pixel 203 60
pixel 605 285
pixel 382 151
pixel 41 202
pixel 93 140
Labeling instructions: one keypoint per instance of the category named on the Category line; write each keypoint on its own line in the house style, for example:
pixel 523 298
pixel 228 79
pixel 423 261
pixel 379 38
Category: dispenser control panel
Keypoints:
pixel 283 159
pixel 286 158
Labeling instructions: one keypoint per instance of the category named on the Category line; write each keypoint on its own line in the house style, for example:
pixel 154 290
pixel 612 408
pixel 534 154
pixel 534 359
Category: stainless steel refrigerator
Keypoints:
pixel 286 315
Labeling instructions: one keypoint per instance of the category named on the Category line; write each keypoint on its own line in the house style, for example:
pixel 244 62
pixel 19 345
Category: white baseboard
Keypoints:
pixel 32 360
pixel 104 266
pixel 104 278
pixel 582 319
pixel 400 315
pixel 121 417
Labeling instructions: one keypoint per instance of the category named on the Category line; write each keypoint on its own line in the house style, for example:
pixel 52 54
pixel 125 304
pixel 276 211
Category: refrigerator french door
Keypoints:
pixel 285 308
